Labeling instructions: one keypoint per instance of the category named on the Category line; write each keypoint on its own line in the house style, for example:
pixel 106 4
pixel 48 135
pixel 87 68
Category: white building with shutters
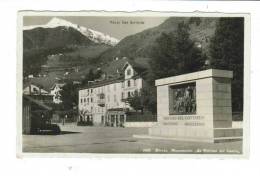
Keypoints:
pixel 103 102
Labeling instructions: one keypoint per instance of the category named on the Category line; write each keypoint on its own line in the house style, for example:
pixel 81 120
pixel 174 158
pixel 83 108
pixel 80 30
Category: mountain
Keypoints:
pixel 62 44
pixel 95 36
pixel 142 44
pixel 49 38
pixel 71 44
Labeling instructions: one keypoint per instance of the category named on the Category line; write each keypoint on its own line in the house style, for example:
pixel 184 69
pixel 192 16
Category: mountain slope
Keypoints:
pixel 143 43
pixel 95 36
pixel 76 49
pixel 59 37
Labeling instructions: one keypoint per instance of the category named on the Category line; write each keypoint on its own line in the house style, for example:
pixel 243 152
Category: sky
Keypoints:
pixel 118 27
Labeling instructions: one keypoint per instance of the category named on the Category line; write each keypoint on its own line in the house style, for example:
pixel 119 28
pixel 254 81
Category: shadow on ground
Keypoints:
pixel 68 132
pixel 53 133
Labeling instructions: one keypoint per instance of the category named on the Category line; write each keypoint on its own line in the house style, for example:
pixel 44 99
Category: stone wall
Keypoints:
pixel 139 124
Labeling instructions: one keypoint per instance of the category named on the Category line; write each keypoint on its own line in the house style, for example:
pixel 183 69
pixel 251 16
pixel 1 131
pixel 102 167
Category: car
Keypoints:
pixel 44 126
pixel 49 129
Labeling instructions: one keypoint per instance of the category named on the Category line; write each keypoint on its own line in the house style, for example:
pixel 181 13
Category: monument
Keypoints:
pixel 195 107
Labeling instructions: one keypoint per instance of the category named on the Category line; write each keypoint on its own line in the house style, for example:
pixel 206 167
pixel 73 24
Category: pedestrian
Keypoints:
pixel 65 117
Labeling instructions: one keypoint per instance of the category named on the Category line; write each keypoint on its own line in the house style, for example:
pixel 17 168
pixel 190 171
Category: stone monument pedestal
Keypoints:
pixel 195 107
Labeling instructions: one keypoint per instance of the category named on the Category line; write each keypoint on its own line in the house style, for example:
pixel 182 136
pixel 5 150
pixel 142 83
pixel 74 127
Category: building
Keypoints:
pixel 35 112
pixel 103 102
pixel 37 92
pixel 34 89
pixel 44 88
pixel 56 92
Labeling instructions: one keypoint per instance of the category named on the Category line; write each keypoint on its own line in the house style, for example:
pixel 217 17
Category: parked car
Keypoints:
pixel 42 125
pixel 48 129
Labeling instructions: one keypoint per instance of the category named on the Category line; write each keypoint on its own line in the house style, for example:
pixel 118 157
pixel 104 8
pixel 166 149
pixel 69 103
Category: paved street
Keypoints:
pixel 76 139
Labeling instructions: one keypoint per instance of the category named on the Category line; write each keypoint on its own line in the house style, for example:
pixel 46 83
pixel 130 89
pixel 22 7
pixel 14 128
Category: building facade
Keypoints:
pixel 55 91
pixel 104 102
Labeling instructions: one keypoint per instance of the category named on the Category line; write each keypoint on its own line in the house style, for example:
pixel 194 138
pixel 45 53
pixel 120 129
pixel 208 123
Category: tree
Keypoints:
pixel 91 76
pixel 69 96
pixel 227 52
pixel 143 100
pixel 150 100
pixel 195 20
pixel 136 101
pixel 176 54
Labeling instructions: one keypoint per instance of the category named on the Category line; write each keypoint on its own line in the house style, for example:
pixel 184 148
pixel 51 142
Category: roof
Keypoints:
pixel 114 66
pixel 57 84
pixel 45 83
pixel 103 83
pixel 116 69
pixel 38 102
pixel 139 64
pixel 137 67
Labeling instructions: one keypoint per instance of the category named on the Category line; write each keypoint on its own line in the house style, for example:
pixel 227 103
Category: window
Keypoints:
pixel 128 72
pixel 88 100
pixel 84 100
pixel 122 95
pixel 123 85
pixel 91 100
pixel 128 83
pixel 81 100
pixel 102 96
pixel 114 98
pixel 35 90
pixel 91 90
pixel 129 94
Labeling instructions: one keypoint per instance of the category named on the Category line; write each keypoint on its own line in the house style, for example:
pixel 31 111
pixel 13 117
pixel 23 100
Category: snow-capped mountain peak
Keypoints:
pixel 95 36
pixel 55 22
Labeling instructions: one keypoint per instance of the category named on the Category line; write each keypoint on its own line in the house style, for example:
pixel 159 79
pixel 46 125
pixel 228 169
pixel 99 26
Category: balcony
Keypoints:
pixel 101 100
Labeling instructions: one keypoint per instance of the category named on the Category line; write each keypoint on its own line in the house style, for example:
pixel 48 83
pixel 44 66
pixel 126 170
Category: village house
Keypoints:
pixel 103 102
pixel 43 88
pixel 56 92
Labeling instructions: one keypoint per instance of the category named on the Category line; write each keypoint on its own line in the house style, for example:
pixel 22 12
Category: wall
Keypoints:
pixel 222 103
pixel 139 124
pixel 162 102
pixel 26 118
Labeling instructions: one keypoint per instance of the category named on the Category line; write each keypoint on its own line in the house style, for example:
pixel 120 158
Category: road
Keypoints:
pixel 76 139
